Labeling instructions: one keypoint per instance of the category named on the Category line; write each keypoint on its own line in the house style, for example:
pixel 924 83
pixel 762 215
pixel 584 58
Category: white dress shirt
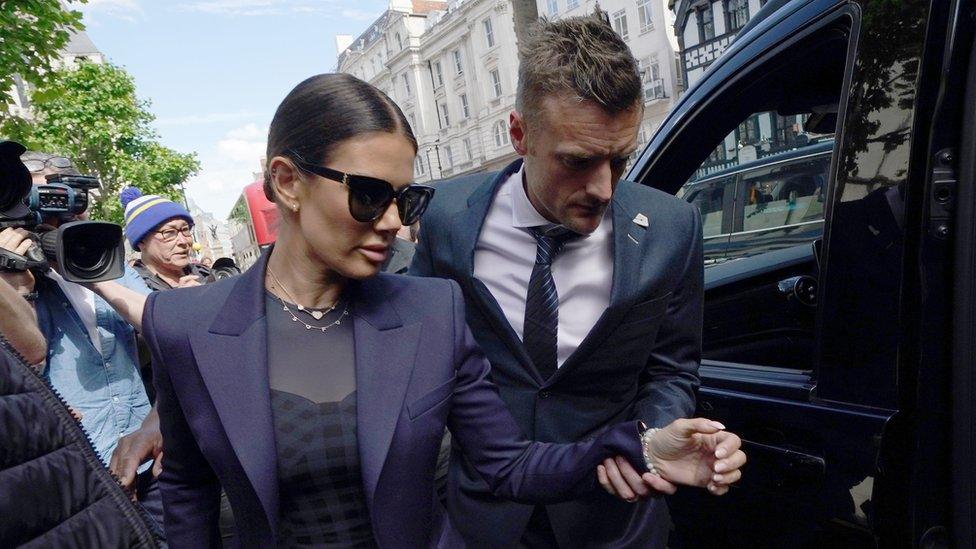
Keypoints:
pixel 582 271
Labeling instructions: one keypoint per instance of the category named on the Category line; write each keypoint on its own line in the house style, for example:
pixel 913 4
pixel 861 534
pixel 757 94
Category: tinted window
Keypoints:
pixel 709 197
pixel 784 194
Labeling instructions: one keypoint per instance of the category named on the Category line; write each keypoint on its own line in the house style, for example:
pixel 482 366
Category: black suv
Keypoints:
pixel 846 363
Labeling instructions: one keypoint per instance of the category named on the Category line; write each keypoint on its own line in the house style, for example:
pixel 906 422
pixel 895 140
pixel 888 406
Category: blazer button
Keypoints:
pixel 544 394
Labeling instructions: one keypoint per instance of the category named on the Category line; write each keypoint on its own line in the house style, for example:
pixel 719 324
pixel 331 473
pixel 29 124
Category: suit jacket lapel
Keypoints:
pixel 232 357
pixel 385 354
pixel 627 248
pixel 467 226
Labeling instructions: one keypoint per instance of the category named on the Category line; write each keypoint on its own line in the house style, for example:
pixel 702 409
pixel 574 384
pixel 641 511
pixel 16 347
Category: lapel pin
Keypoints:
pixel 641 220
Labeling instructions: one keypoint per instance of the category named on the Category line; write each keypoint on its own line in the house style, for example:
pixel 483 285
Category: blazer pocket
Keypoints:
pixel 646 310
pixel 427 402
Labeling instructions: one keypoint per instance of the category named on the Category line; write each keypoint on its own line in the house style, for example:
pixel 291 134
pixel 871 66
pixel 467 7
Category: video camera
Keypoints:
pixel 84 251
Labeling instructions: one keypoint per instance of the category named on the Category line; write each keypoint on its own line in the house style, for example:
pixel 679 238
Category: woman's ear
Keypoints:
pixel 286 181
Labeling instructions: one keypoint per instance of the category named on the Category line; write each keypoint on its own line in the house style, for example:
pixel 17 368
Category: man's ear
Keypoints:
pixel 286 181
pixel 516 130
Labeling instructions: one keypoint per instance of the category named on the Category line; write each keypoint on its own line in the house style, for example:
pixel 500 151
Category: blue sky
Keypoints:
pixel 215 70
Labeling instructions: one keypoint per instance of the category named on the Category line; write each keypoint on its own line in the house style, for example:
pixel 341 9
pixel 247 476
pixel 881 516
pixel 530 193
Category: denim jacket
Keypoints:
pixel 102 384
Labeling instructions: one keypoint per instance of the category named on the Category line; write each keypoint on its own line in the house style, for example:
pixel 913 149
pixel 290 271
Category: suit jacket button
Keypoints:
pixel 544 394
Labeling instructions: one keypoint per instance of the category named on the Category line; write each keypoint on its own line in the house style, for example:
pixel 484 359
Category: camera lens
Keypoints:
pixel 89 257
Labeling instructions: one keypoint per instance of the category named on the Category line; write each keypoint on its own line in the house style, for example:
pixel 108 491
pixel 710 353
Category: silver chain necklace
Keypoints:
pixel 317 315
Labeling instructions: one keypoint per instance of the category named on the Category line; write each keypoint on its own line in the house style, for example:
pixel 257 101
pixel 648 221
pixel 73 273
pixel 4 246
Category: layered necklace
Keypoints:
pixel 314 313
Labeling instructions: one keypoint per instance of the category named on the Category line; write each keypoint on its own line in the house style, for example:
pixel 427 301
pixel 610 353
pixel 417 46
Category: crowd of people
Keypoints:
pixel 530 382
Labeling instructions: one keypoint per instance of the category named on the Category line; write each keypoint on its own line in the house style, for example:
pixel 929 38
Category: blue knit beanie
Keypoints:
pixel 143 214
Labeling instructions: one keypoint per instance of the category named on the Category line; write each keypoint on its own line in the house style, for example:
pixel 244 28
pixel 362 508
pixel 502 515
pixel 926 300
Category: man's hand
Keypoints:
pixel 135 448
pixel 619 478
pixel 188 281
pixel 696 452
pixel 16 240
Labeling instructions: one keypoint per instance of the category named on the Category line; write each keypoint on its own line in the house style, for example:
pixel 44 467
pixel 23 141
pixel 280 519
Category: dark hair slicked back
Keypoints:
pixel 323 111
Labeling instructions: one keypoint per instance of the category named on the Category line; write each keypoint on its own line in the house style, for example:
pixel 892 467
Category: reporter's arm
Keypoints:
pixel 126 301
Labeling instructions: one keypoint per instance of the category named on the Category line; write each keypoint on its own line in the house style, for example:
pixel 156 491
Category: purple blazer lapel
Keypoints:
pixel 385 354
pixel 232 359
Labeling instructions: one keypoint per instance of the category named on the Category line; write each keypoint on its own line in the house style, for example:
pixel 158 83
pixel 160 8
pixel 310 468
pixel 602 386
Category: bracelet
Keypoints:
pixel 645 439
pixel 30 297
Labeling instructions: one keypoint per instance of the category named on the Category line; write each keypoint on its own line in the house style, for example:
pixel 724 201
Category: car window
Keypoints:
pixel 780 185
pixel 783 194
pixel 709 197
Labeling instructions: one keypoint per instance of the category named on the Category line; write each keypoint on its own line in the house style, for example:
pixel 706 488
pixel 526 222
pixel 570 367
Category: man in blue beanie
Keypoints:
pixel 162 231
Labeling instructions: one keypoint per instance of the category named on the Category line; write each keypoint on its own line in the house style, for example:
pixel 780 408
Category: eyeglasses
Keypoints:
pixel 169 235
pixel 36 165
pixel 370 197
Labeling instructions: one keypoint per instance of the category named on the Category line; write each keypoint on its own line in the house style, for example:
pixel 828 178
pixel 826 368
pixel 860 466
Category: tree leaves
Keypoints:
pixel 32 35
pixel 92 115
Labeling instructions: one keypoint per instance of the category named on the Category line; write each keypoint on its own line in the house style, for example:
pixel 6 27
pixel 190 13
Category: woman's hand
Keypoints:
pixel 692 452
pixel 696 452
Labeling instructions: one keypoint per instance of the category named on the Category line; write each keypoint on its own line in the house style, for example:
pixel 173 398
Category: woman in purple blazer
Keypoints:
pixel 316 392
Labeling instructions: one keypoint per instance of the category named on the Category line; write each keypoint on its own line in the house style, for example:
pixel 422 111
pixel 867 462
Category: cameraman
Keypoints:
pixel 91 359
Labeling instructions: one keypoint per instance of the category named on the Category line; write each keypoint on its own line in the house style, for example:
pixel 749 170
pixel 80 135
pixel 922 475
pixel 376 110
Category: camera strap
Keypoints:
pixel 12 262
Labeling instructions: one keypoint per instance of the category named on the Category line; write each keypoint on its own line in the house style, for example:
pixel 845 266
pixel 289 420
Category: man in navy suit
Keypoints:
pixel 584 291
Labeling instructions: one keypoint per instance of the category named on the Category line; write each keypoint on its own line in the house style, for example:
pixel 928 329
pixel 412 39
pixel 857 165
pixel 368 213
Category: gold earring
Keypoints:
pixel 294 207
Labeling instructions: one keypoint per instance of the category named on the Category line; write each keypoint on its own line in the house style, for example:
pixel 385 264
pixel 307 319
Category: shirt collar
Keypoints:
pixel 524 214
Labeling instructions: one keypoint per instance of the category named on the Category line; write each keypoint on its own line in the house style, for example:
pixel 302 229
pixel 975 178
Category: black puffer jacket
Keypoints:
pixel 54 491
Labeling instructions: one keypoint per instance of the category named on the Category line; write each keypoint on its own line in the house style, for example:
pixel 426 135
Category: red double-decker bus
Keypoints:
pixel 253 225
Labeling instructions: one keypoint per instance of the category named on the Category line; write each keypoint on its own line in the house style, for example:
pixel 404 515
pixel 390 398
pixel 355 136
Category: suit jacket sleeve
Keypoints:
pixel 514 467
pixel 189 487
pixel 423 262
pixel 670 379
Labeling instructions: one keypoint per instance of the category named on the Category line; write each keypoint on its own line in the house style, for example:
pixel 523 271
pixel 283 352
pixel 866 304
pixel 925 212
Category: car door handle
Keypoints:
pixel 779 469
pixel 801 288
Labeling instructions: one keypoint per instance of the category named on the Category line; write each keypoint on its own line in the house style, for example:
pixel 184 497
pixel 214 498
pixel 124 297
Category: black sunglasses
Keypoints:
pixel 369 197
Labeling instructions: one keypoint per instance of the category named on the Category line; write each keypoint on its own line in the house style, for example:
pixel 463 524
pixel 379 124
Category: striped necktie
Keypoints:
pixel 542 302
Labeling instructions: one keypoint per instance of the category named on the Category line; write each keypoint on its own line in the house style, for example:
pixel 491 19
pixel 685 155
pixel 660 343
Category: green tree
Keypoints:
pixel 91 114
pixel 32 35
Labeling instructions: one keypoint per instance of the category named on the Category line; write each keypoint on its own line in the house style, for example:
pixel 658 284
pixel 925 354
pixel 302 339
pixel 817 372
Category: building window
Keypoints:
pixel 553 6
pixel 644 15
pixel 450 156
pixel 620 23
pixel 438 74
pixel 651 79
pixel 406 83
pixel 572 4
pixel 706 27
pixel 445 116
pixel 496 83
pixel 501 133
pixel 749 131
pixel 399 41
pixel 458 66
pixel 418 166
pixel 489 33
pixel 736 14
pixel 465 110
pixel 466 148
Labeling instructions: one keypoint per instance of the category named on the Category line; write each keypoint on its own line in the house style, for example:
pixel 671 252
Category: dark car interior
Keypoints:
pixel 763 320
